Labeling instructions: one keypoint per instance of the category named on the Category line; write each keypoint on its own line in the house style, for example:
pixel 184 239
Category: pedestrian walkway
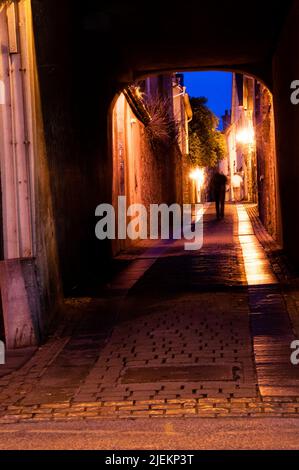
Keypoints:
pixel 181 333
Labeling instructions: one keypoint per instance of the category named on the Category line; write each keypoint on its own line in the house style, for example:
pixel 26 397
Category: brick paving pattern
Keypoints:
pixel 144 350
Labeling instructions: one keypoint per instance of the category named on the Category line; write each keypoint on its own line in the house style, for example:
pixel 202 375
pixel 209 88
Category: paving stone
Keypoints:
pixel 59 414
pixel 133 408
pixel 109 411
pixel 175 412
pixel 155 412
pixel 42 417
pixel 144 413
pixel 183 309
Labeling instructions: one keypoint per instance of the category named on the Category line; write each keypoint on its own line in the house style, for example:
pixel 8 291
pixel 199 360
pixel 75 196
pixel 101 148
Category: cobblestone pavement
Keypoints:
pixel 177 333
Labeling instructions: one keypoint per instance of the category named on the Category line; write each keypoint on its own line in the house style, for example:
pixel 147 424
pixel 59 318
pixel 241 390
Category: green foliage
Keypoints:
pixel 207 145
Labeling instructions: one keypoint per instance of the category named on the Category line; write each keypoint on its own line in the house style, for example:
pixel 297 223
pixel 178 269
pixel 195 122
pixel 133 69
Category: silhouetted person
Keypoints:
pixel 219 187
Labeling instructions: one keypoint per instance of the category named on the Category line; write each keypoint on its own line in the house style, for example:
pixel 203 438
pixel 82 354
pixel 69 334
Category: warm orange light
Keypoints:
pixel 198 175
pixel 138 93
pixel 257 266
pixel 246 136
pixel 237 181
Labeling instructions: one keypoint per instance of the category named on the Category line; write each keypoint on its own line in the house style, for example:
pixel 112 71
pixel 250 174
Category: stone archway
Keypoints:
pixel 106 48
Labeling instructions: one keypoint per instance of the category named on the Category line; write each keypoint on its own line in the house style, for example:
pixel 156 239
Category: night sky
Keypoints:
pixel 216 86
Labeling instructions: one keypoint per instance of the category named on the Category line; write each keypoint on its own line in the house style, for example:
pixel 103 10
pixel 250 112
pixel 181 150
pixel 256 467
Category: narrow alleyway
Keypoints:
pixel 177 333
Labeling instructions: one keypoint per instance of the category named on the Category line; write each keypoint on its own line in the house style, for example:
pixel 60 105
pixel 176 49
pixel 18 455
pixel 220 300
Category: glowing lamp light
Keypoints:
pixel 237 180
pixel 246 136
pixel 198 175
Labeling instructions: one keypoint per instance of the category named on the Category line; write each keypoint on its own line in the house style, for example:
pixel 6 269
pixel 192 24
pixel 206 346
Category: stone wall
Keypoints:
pixel 75 174
pixel 266 161
pixel 145 172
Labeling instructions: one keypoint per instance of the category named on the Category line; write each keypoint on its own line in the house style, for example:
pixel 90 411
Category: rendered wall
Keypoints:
pixel 267 162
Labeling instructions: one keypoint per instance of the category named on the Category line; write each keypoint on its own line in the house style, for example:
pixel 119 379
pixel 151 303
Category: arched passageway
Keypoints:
pixel 76 172
pixel 81 101
pixel 156 159
pixel 177 331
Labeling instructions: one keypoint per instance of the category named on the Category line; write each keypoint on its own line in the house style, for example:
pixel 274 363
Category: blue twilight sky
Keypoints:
pixel 216 86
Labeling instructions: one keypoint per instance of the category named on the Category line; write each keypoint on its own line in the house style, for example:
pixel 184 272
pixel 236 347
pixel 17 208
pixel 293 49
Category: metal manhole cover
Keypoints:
pixel 213 372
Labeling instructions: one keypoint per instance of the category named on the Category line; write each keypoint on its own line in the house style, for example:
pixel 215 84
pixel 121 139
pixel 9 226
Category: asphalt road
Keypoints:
pixel 174 434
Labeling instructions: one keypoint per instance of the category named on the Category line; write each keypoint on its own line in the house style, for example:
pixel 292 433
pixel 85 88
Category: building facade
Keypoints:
pixel 150 144
pixel 251 161
pixel 241 163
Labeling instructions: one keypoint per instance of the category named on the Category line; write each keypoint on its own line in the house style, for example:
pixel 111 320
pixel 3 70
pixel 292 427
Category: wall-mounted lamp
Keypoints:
pixel 246 136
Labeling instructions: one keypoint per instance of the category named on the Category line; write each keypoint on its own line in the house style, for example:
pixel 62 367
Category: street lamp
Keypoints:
pixel 198 176
pixel 246 136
